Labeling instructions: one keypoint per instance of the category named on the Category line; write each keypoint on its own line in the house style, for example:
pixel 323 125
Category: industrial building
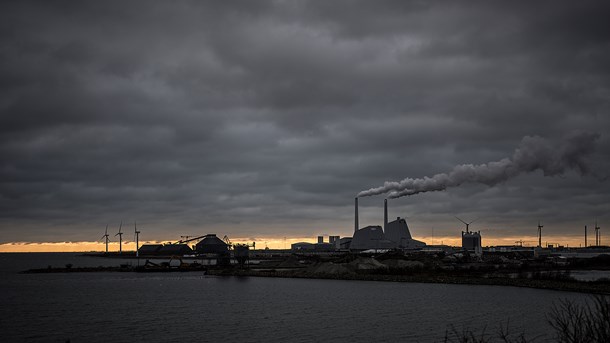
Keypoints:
pixel 393 235
pixel 321 246
pixel 471 242
pixel 370 237
pixel 343 243
pixel 210 244
pixel 149 249
pixel 242 253
pixel 175 249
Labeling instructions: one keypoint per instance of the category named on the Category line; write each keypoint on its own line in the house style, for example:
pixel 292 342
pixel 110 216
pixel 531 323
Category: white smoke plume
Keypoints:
pixel 534 153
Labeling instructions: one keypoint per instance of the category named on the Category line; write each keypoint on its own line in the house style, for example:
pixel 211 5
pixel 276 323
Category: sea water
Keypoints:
pixel 174 307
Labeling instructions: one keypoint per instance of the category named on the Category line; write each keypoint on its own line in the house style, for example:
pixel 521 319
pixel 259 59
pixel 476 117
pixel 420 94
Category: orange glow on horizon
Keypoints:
pixel 261 243
pixel 279 243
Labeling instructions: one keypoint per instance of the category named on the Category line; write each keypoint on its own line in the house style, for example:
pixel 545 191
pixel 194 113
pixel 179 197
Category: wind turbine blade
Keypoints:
pixel 106 229
pixel 456 217
pixel 120 226
pixel 474 221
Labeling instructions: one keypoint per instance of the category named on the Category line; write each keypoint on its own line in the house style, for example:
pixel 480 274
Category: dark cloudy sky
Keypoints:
pixel 266 118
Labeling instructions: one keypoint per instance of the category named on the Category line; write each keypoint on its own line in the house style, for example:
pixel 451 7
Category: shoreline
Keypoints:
pixel 387 267
pixel 589 287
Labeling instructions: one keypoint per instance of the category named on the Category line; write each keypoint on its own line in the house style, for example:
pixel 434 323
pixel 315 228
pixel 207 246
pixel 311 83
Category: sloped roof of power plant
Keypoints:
pixel 397 231
pixel 370 237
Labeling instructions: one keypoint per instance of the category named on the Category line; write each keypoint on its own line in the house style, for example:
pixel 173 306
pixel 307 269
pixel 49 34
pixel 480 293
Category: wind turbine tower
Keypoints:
pixel 120 234
pixel 105 237
pixel 598 237
pixel 540 234
pixel 136 234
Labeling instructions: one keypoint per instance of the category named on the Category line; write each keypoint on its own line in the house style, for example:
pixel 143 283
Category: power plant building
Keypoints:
pixel 398 231
pixel 370 237
pixel 471 241
pixel 343 243
pixel 393 235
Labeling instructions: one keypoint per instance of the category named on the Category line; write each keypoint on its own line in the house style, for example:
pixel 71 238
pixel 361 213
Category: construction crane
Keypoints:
pixel 186 239
pixel 227 241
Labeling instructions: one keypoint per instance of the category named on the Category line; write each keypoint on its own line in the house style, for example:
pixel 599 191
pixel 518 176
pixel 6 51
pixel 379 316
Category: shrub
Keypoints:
pixel 576 323
pixel 573 322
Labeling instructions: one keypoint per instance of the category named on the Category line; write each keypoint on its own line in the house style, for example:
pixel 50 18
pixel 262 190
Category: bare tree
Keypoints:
pixel 581 323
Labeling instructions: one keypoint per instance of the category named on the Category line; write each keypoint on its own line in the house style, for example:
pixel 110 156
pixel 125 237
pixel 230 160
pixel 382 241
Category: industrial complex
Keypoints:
pixel 392 236
pixel 378 252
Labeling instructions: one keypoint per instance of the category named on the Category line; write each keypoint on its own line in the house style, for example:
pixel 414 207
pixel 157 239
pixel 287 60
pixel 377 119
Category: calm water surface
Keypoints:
pixel 133 307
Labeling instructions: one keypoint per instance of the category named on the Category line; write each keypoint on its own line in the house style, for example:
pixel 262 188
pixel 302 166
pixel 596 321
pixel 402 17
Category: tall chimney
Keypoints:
pixel 585 236
pixel 385 215
pixel 356 215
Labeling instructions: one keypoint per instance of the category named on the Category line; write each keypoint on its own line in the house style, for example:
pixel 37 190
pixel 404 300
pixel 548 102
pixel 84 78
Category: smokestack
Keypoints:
pixel 585 236
pixel 385 215
pixel 356 215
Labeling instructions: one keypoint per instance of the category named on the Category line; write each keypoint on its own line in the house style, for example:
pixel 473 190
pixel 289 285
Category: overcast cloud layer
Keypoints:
pixel 258 118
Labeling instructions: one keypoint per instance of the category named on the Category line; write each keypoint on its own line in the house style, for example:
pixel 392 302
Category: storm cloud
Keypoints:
pixel 266 118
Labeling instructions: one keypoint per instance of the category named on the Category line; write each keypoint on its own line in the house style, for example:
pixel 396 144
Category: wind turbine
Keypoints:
pixel 136 235
pixel 467 224
pixel 540 234
pixel 105 236
pixel 598 237
pixel 120 234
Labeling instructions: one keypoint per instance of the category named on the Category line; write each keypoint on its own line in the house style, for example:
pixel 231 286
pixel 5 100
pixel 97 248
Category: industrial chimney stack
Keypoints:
pixel 385 215
pixel 356 215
